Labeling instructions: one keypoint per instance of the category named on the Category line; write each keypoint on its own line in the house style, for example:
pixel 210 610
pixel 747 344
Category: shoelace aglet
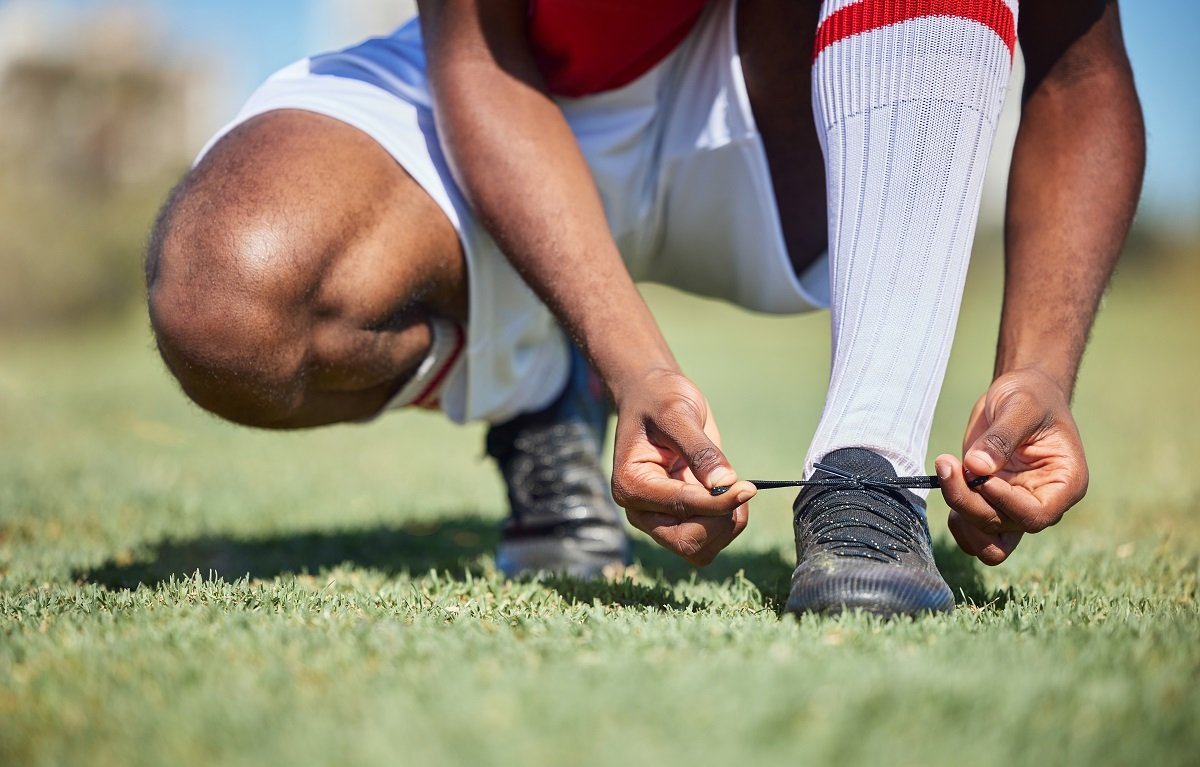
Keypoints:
pixel 926 482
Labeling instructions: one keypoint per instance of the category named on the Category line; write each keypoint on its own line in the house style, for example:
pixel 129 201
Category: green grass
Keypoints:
pixel 175 590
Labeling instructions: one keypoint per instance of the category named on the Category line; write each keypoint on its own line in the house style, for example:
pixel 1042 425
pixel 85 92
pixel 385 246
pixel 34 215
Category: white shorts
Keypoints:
pixel 677 159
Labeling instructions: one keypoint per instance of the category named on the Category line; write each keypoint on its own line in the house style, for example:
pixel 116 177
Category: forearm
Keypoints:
pixel 1075 179
pixel 520 167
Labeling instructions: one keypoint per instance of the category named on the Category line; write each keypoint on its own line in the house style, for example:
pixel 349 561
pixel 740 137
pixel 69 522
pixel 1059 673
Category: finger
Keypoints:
pixel 741 519
pixel 1014 421
pixel 719 533
pixel 637 490
pixel 1031 513
pixel 687 435
pixel 710 428
pixel 964 499
pixel 987 548
pixel 958 529
pixel 665 530
pixel 698 540
pixel 708 536
pixel 649 521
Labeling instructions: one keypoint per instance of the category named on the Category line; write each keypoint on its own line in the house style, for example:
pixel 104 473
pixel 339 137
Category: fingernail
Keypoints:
pixel 722 477
pixel 744 496
pixel 943 470
pixel 989 466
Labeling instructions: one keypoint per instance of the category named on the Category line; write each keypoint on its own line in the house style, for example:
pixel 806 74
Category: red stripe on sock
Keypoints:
pixel 868 15
pixel 434 387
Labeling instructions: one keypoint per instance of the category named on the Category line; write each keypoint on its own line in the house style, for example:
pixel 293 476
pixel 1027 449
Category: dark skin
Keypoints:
pixel 275 292
pixel 1059 258
pixel 1075 180
pixel 292 287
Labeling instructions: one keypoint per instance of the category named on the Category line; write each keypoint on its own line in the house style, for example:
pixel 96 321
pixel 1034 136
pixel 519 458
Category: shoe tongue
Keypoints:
pixel 894 517
pixel 865 463
pixel 858 461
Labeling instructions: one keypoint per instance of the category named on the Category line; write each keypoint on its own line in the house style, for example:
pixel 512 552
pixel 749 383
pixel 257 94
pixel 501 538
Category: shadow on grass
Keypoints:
pixel 454 547
pixel 451 545
pixel 964 574
pixel 766 570
pixel 770 573
pixel 625 593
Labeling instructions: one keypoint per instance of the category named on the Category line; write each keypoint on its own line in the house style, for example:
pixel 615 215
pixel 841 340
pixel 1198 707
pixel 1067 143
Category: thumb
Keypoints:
pixel 705 459
pixel 1013 422
pixel 708 463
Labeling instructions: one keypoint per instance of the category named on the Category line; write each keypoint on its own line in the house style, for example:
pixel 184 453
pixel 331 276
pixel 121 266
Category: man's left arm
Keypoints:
pixel 1073 188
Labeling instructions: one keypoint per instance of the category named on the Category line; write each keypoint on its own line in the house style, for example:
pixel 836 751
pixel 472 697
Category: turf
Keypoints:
pixel 175 590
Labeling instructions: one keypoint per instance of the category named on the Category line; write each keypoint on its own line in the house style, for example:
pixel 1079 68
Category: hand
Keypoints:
pixel 666 460
pixel 1021 432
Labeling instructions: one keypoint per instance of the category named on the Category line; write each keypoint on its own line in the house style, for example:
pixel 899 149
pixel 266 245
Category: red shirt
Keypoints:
pixel 588 46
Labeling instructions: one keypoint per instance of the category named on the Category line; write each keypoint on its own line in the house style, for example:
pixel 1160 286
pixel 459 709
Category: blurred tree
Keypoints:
pixel 93 132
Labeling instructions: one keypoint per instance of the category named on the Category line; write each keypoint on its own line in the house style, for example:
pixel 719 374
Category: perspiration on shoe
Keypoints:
pixel 563 517
pixel 864 547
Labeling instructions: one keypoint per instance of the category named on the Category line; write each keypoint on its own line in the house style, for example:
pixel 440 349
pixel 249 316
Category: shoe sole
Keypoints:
pixel 557 556
pixel 884 590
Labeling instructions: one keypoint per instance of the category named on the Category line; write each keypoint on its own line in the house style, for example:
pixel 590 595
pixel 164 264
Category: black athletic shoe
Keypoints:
pixel 563 516
pixel 863 545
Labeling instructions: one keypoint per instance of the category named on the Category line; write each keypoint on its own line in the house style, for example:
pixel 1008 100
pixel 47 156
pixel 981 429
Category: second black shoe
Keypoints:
pixel 563 519
pixel 861 544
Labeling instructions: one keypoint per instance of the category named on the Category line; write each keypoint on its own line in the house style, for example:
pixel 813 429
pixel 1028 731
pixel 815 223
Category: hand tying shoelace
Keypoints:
pixel 846 480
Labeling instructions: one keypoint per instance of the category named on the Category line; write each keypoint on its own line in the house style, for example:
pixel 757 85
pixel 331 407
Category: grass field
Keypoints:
pixel 175 590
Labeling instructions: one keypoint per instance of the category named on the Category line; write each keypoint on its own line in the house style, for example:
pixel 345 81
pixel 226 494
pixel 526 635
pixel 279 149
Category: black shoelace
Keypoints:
pixel 864 517
pixel 844 480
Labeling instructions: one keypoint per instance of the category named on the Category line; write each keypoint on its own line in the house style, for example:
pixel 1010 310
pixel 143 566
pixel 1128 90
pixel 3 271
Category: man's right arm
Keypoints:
pixel 514 156
pixel 516 160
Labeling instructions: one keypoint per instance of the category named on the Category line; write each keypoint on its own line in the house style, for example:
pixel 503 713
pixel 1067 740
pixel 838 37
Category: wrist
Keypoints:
pixel 624 344
pixel 1036 377
pixel 1059 366
pixel 622 382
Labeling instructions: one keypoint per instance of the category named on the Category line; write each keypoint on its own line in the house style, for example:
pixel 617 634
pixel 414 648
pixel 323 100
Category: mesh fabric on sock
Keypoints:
pixel 906 96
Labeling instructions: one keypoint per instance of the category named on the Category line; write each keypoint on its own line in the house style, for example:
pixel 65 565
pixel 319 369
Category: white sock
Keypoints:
pixel 424 389
pixel 906 95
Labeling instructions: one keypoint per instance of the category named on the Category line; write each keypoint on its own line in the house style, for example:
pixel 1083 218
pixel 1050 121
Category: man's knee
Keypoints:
pixel 227 314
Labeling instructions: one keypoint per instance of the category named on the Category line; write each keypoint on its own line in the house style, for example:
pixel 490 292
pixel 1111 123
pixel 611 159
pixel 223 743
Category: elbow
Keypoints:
pixel 1099 97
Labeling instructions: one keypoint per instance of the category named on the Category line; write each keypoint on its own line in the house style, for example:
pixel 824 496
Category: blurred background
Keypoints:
pixel 110 478
pixel 104 102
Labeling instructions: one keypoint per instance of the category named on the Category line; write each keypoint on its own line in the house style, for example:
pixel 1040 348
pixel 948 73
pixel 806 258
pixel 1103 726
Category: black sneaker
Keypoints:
pixel 862 544
pixel 563 519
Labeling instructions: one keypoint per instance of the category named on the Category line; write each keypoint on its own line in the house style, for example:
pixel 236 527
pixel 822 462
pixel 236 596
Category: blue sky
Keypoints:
pixel 261 35
pixel 1161 37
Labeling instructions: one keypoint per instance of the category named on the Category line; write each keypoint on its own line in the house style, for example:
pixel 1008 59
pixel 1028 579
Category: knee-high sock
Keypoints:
pixel 906 95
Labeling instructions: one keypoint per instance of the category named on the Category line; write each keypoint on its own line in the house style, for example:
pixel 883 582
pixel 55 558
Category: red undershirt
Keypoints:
pixel 588 46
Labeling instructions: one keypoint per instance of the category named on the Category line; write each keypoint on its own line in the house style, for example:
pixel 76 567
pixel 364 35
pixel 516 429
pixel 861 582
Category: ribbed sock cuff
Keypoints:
pixel 424 389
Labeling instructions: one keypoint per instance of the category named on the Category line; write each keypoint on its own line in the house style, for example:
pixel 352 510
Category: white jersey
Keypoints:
pixel 676 157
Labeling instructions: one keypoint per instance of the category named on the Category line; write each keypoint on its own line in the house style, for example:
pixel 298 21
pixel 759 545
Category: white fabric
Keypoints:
pixel 678 162
pixel 427 384
pixel 907 114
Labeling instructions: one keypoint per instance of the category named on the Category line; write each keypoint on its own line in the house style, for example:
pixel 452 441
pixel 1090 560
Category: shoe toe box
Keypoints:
pixel 831 584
